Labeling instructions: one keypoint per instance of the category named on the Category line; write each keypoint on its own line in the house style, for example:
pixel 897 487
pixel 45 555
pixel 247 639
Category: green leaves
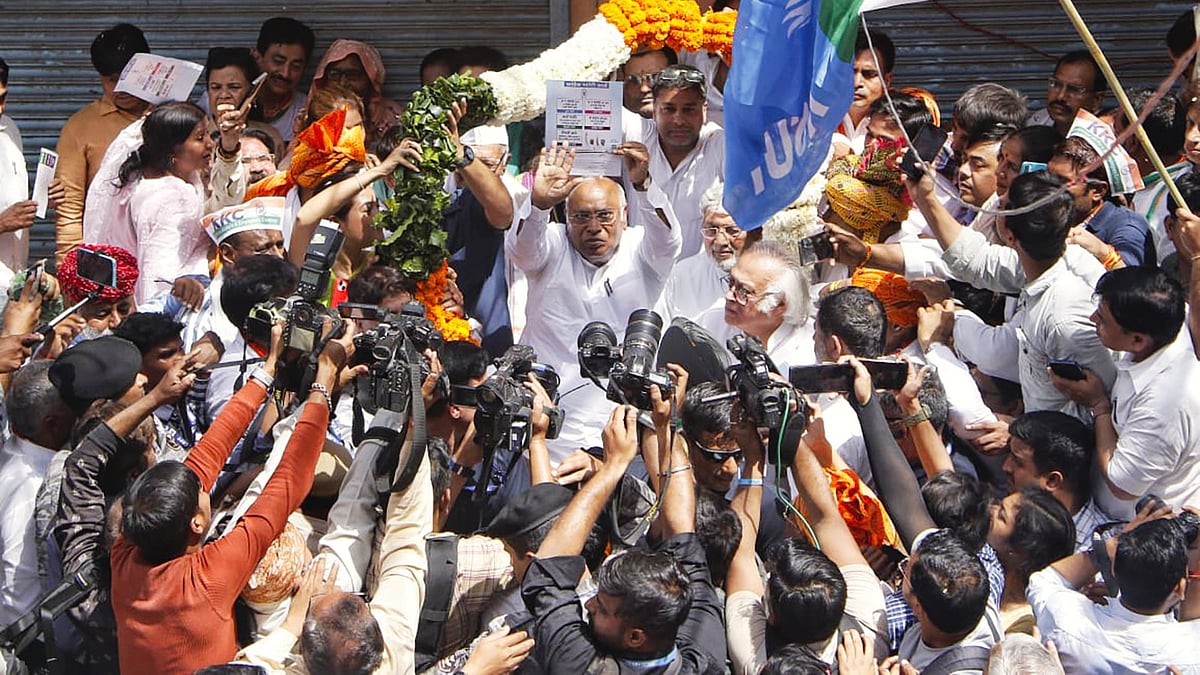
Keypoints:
pixel 417 244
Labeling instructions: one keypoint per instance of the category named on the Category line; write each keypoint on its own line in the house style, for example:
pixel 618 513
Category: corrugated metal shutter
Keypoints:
pixel 942 53
pixel 46 45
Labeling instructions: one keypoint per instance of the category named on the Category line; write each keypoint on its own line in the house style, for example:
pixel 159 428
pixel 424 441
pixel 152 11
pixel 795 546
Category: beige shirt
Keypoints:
pixel 81 146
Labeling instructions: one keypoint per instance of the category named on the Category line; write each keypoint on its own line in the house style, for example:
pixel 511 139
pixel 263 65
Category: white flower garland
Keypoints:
pixel 594 51
pixel 801 218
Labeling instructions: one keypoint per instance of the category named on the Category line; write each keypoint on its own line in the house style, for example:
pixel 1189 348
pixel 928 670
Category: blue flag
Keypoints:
pixel 790 84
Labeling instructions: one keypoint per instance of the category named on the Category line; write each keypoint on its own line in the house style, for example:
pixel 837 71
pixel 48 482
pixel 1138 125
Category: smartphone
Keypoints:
pixel 839 377
pixel 255 87
pixel 926 145
pixel 464 396
pixel 1068 370
pixel 887 373
pixel 1031 167
pixel 821 378
pixel 96 267
pixel 359 311
pixel 815 248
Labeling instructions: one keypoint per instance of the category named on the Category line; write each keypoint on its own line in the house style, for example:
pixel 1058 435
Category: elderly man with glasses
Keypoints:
pixel 697 283
pixel 592 268
pixel 767 297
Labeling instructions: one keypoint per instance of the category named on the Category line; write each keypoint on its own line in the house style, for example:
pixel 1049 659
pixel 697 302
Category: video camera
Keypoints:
pixel 764 400
pixel 630 369
pixel 504 411
pixel 302 313
pixel 390 349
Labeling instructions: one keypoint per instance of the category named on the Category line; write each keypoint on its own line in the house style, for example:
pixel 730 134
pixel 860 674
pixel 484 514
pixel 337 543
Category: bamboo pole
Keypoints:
pixel 1113 83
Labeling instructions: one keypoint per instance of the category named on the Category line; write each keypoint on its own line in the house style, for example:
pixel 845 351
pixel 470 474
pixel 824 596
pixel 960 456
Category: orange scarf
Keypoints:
pixel 323 149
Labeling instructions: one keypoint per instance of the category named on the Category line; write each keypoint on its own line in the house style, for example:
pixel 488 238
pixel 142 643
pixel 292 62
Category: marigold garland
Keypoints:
pixel 678 24
pixel 430 292
pixel 718 34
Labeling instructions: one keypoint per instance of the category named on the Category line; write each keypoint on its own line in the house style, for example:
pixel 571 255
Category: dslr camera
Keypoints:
pixel 302 312
pixel 764 400
pixel 1189 521
pixel 504 411
pixel 630 369
pixel 390 349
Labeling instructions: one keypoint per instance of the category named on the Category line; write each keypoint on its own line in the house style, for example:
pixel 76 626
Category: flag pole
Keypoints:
pixel 1126 107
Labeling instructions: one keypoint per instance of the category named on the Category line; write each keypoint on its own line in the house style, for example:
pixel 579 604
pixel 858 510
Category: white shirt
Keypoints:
pixel 688 181
pixel 1156 409
pixel 1052 322
pixel 694 287
pixel 986 633
pixel 567 292
pixel 23 466
pixel 746 621
pixel 962 394
pixel 1108 639
pixel 14 187
pixel 1151 203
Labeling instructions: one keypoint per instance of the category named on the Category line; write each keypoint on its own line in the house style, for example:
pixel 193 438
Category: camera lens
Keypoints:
pixel 597 334
pixel 641 341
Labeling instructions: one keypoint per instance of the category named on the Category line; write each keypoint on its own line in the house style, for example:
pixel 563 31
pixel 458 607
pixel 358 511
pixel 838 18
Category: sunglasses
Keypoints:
pixel 715 456
pixel 673 75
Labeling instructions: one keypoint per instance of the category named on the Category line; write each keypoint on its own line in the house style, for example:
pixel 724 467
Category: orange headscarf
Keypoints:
pixel 862 511
pixel 866 192
pixel 900 301
pixel 323 149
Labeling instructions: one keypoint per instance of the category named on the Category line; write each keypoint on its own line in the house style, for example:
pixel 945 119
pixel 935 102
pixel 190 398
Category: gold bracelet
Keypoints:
pixel 678 469
pixel 867 257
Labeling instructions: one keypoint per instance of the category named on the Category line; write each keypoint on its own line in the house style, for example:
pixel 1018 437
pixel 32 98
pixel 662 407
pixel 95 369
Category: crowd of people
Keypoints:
pixel 189 484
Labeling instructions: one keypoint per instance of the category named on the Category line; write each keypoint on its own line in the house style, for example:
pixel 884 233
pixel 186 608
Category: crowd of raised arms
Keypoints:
pixel 947 424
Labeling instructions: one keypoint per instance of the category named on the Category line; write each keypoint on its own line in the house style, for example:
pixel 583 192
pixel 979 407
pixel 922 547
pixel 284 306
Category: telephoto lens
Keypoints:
pixel 597 345
pixel 641 341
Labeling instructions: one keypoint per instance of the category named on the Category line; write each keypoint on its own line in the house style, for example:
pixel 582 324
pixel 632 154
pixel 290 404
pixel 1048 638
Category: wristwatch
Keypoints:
pixel 916 418
pixel 467 158
pixel 460 470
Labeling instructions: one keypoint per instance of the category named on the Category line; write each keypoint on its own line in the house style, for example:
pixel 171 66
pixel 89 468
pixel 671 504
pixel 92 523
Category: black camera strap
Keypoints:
pixel 397 464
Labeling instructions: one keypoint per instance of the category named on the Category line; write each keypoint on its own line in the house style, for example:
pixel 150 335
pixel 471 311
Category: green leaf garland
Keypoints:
pixel 413 216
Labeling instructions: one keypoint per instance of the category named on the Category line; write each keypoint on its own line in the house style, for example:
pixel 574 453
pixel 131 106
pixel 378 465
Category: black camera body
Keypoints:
pixel 630 369
pixel 302 312
pixel 1189 521
pixel 763 399
pixel 389 350
pixel 503 403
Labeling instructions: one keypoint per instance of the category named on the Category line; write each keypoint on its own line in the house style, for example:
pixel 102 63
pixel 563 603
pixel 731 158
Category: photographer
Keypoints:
pixel 172 596
pixel 1156 567
pixel 656 612
pixel 812 594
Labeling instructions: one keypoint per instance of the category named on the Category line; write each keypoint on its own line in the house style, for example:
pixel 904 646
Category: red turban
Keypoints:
pixel 77 288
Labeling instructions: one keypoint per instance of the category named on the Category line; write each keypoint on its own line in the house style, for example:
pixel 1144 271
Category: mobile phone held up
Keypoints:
pixel 839 377
pixel 815 248
pixel 926 145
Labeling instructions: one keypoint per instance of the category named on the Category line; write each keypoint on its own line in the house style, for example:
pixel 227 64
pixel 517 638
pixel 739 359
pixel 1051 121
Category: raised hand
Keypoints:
pixel 553 181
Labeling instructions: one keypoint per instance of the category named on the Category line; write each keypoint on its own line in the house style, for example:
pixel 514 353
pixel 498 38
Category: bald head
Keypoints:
pixel 596 218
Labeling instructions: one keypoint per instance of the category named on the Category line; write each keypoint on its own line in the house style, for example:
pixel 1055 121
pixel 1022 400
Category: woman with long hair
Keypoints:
pixel 152 203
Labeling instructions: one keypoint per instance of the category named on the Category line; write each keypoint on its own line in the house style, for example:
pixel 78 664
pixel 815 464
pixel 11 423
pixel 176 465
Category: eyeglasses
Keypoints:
pixel 730 232
pixel 903 566
pixel 1073 90
pixel 713 455
pixel 640 80
pixel 257 159
pixel 676 75
pixel 741 294
pixel 338 74
pixel 604 217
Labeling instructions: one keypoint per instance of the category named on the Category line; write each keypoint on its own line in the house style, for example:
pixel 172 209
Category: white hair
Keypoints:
pixel 710 201
pixel 791 285
pixel 1021 654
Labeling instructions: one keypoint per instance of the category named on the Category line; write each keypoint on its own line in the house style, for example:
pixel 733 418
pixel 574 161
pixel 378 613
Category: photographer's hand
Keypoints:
pixel 335 355
pixel 863 387
pixel 429 392
pixel 173 385
pixel 539 453
pixel 21 315
pixel 621 437
pixel 271 365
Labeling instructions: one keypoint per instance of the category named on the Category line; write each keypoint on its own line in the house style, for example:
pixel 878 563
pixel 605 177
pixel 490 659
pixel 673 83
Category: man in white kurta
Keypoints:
pixel 593 268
